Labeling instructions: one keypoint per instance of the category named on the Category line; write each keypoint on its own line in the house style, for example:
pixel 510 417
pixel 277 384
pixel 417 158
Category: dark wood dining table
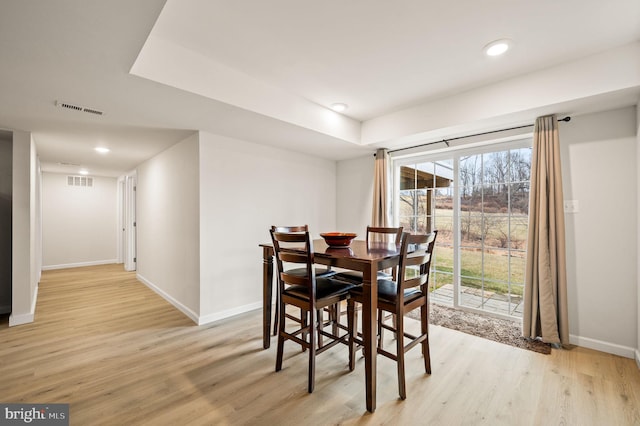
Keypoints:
pixel 368 259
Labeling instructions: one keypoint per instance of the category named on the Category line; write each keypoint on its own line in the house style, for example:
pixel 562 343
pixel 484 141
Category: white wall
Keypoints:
pixel 79 223
pixel 246 188
pixel 355 194
pixel 599 160
pixel 168 227
pixel 25 215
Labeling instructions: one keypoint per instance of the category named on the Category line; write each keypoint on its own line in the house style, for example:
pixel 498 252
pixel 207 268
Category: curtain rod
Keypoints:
pixel 446 141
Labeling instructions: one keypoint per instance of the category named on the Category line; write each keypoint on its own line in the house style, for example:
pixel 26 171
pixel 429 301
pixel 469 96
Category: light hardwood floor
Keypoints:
pixel 120 355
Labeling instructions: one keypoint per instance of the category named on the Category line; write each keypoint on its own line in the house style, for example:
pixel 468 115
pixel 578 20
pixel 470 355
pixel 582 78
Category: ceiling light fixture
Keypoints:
pixel 497 47
pixel 339 107
pixel 102 150
pixel 84 172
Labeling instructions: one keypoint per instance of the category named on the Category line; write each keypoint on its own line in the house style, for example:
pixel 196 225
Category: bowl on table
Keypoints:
pixel 338 239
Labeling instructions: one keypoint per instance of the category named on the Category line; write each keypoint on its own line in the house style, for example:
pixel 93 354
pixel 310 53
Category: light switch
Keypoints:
pixel 571 206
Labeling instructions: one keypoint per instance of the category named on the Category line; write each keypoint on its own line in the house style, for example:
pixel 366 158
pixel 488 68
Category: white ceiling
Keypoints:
pixel 381 56
pixel 270 70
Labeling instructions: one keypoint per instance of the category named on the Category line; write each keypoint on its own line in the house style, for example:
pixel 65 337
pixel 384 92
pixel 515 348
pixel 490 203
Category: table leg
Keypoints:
pixel 369 328
pixel 267 291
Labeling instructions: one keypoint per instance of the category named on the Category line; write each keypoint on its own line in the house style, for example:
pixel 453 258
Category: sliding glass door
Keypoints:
pixel 478 201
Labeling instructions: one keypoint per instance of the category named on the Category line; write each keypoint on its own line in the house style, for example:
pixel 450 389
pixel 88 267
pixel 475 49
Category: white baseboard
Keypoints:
pixel 79 264
pixel 206 319
pixel 19 319
pixel 638 358
pixel 182 308
pixel 608 347
pixel 199 320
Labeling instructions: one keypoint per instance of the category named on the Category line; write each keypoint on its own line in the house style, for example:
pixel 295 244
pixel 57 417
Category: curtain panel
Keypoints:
pixel 380 212
pixel 545 293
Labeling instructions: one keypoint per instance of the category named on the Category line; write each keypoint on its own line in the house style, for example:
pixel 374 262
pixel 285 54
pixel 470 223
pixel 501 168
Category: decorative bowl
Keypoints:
pixel 338 239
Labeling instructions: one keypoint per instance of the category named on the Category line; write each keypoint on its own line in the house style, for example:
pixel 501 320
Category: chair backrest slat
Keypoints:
pixel 415 251
pixel 292 257
pixel 295 279
pixel 381 234
pixel 292 244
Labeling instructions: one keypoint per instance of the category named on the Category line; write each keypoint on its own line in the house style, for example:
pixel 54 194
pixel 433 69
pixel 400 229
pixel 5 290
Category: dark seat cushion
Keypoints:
pixel 325 287
pixel 356 277
pixel 320 272
pixel 388 289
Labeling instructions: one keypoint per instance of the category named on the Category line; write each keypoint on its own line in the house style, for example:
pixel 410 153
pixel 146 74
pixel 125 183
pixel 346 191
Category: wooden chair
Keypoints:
pixel 410 291
pixel 390 235
pixel 307 292
pixel 320 273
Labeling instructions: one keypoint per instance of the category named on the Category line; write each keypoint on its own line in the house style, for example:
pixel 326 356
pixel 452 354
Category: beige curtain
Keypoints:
pixel 545 292
pixel 379 216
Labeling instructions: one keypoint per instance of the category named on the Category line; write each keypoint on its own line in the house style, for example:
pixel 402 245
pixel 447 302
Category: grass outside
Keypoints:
pixel 504 269
pixel 496 270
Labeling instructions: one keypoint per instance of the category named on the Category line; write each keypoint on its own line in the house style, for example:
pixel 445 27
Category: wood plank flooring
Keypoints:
pixel 120 355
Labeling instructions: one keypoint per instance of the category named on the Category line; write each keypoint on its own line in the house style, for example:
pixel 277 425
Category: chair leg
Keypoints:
pixel 335 318
pixel 424 328
pixel 303 319
pixel 312 350
pixel 276 316
pixel 351 326
pixel 395 325
pixel 380 328
pixel 281 324
pixel 399 320
pixel 319 321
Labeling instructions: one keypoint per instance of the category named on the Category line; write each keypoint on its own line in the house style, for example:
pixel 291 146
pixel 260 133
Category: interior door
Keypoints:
pixel 130 224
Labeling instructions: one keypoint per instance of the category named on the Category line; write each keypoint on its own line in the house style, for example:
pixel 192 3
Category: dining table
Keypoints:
pixel 368 258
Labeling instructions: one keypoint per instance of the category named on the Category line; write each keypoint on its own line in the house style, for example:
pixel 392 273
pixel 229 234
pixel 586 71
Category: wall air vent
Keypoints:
pixel 84 181
pixel 80 108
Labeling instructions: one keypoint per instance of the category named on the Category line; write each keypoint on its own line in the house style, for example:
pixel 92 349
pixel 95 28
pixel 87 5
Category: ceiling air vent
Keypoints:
pixel 80 108
pixel 80 181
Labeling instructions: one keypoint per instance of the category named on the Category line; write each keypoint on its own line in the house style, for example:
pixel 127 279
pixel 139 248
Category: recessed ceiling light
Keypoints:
pixel 497 47
pixel 102 150
pixel 339 107
pixel 84 172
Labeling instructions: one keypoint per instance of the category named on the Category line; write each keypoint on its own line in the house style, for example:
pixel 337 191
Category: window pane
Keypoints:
pixel 496 167
pixel 471 293
pixel 444 198
pixel 496 267
pixel 407 178
pixel 408 202
pixel 495 198
pixel 517 262
pixel 444 225
pixel 442 259
pixel 423 225
pixel 519 198
pixel 407 223
pixel 496 301
pixel 520 165
pixel 423 199
pixel 470 263
pixel 516 300
pixel 470 170
pixel 441 287
pixel 496 231
pixel 518 232
pixel 470 229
